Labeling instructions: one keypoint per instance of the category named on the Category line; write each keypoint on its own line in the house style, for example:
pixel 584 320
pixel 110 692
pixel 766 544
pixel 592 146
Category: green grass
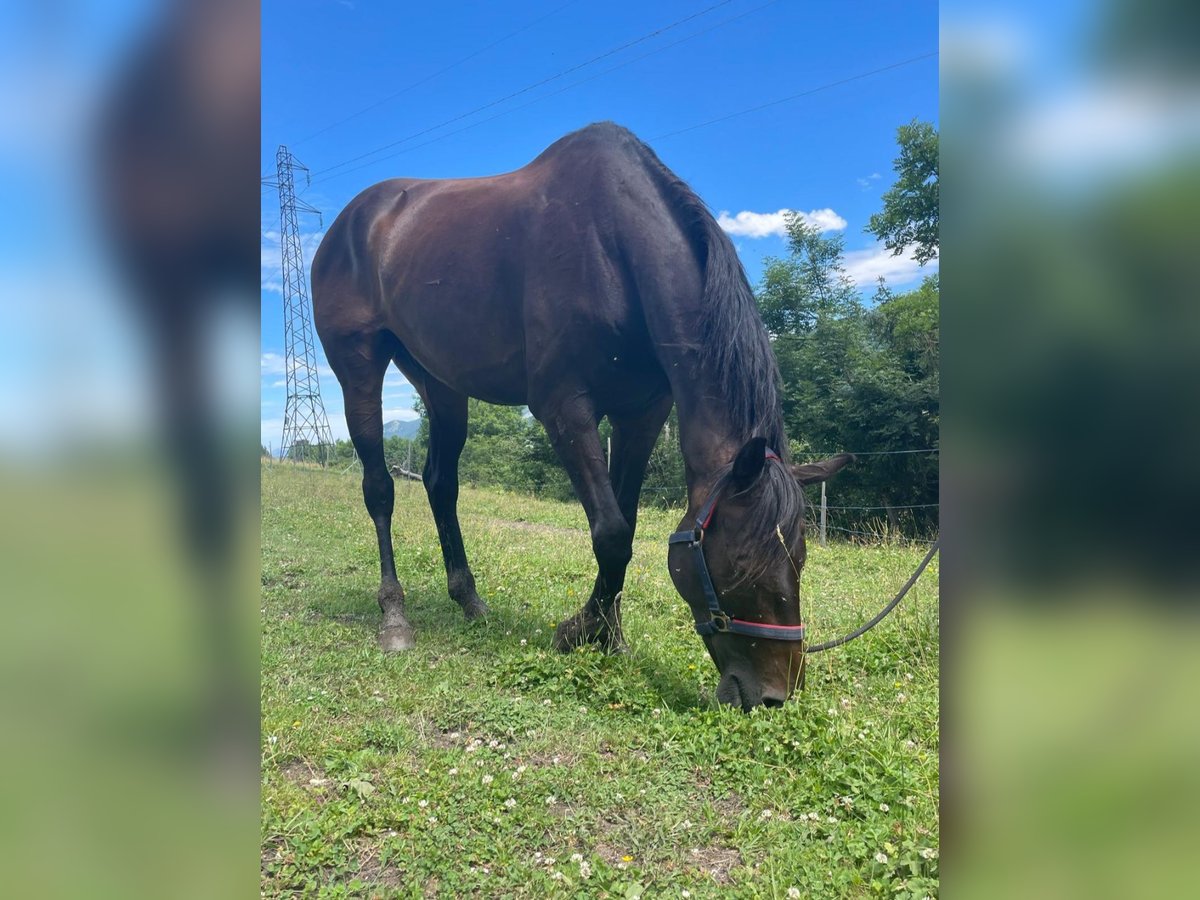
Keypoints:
pixel 484 763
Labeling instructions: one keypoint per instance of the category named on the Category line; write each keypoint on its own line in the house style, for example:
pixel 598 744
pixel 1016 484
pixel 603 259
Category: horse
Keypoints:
pixel 592 282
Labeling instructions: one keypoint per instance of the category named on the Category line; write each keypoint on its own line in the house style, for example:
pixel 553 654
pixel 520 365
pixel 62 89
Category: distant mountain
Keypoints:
pixel 405 428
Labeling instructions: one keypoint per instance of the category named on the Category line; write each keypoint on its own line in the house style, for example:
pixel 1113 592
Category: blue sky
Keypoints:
pixel 341 78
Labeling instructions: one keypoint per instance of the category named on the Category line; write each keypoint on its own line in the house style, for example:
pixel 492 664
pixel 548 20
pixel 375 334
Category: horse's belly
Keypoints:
pixel 472 347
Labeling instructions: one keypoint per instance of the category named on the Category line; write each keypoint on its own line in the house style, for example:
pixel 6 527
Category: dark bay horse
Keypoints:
pixel 590 283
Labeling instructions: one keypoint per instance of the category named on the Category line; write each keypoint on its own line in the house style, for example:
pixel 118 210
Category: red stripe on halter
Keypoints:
pixel 765 625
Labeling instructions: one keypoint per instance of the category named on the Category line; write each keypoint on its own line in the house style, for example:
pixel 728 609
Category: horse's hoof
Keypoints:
pixel 567 636
pixel 577 632
pixel 396 639
pixel 475 609
pixel 616 647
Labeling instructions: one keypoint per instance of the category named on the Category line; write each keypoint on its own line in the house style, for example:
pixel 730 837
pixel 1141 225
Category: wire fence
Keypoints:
pixel 860 523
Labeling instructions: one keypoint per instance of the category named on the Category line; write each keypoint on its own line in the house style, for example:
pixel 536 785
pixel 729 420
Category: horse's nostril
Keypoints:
pixel 772 701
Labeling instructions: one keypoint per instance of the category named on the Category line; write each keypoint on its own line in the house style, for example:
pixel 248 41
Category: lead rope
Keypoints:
pixel 879 617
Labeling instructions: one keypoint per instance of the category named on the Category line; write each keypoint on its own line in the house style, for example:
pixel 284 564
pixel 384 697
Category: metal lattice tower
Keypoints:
pixel 304 420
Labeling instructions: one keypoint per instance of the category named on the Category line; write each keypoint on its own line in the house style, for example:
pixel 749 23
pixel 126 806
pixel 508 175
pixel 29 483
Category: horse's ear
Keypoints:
pixel 748 464
pixel 812 473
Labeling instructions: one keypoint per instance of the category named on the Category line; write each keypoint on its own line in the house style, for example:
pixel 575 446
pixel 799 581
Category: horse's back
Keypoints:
pixel 503 285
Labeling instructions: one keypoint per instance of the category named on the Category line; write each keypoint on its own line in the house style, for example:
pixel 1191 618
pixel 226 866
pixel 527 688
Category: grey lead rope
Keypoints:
pixel 859 632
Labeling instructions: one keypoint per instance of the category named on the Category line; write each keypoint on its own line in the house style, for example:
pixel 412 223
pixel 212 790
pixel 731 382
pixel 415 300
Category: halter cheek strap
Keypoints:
pixel 718 621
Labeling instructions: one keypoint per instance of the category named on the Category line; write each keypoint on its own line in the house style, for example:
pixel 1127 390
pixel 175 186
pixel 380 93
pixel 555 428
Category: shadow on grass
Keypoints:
pixel 440 626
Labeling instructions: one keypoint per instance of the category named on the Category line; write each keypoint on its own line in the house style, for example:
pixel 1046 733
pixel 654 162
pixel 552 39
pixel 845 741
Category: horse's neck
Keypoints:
pixel 708 442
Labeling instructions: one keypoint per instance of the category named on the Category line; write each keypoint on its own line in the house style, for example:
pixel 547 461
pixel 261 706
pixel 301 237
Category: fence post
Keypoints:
pixel 822 514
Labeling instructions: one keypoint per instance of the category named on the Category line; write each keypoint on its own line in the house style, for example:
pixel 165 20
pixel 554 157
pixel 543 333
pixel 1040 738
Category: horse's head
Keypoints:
pixel 737 563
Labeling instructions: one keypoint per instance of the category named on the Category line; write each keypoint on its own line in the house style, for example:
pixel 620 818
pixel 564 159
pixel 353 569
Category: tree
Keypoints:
pixel 857 377
pixel 910 207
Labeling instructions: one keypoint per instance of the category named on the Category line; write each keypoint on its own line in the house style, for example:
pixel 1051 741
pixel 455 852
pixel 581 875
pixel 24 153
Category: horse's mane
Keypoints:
pixel 733 341
pixel 735 346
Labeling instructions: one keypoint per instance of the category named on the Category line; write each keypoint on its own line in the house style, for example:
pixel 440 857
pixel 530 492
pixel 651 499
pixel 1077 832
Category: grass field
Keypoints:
pixel 483 763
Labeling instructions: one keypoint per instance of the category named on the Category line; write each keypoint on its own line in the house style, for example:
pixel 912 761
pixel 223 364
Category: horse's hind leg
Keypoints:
pixel 360 365
pixel 447 435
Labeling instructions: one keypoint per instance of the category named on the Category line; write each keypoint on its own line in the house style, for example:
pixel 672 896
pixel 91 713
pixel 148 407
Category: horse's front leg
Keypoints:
pixel 571 426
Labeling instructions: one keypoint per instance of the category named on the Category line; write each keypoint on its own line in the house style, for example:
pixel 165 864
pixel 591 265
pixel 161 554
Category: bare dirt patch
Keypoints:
pixel 715 862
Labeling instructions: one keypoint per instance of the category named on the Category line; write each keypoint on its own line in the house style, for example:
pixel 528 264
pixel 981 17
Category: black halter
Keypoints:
pixel 718 621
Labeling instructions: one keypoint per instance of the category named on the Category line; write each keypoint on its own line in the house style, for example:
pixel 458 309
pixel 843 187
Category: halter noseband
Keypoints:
pixel 718 621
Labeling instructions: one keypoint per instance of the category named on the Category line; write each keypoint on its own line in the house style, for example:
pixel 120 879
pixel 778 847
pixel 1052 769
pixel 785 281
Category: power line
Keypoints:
pixel 807 93
pixel 563 90
pixel 529 87
pixel 428 78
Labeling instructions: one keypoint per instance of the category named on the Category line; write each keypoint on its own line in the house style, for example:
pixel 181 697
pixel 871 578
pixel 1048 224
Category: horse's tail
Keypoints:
pixel 733 338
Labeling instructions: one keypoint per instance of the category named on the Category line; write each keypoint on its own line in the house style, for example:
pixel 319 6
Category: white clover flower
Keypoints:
pixel 547 702
pixel 549 860
pixel 685 894
pixel 910 745
pixel 452 772
pixel 845 703
pixel 510 803
pixel 422 803
pixel 576 857
pixel 583 710
pixel 793 893
pixel 273 740
pixel 524 642
pixel 766 814
pixel 487 779
pixel 883 807
pixel 433 820
pixel 831 820
pixel 881 858
pixel 902 698
pixel 493 743
pixel 557 876
pixel 585 870
pixel 928 853
pixel 550 801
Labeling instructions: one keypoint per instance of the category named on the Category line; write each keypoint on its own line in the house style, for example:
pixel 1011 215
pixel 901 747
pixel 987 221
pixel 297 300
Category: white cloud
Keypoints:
pixel 866 266
pixel 865 183
pixel 759 225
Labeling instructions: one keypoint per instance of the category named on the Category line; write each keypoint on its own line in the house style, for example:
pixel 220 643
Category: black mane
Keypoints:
pixel 733 340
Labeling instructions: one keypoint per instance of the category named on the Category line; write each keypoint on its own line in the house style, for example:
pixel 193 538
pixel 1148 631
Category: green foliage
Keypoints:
pixel 910 207
pixel 507 448
pixel 858 377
